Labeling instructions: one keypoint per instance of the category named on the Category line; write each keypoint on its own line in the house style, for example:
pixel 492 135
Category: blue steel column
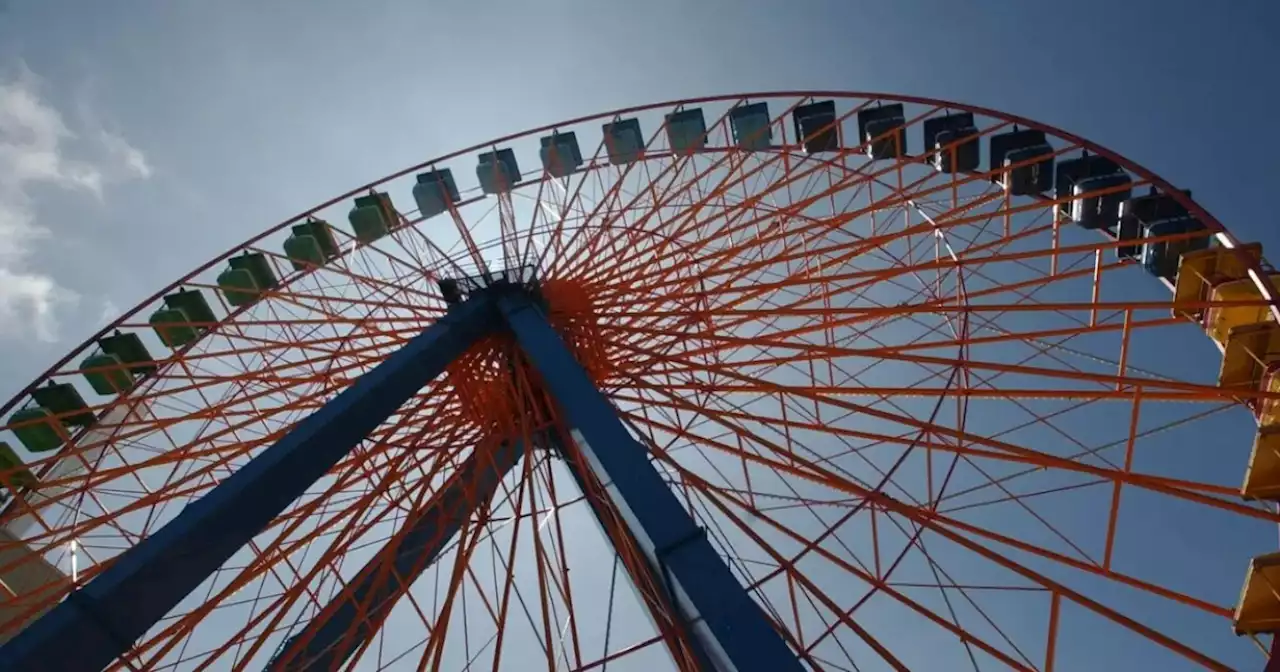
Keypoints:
pixel 327 641
pixel 98 623
pixel 731 627
pixel 651 574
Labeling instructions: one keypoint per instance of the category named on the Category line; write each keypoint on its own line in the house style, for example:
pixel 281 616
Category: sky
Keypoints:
pixel 139 139
pixel 172 131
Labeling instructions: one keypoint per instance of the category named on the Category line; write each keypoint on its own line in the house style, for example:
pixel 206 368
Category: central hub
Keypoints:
pixel 519 279
pixel 490 377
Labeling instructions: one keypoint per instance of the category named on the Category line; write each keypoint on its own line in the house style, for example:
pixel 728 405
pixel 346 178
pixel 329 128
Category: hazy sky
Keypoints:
pixel 139 139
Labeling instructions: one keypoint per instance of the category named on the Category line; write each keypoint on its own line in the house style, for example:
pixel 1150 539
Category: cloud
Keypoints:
pixel 128 156
pixel 110 311
pixel 38 149
pixel 28 302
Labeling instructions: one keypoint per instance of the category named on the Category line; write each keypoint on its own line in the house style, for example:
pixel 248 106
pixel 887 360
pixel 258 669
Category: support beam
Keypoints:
pixel 729 625
pixel 99 623
pixel 32 578
pixel 354 616
pixel 658 602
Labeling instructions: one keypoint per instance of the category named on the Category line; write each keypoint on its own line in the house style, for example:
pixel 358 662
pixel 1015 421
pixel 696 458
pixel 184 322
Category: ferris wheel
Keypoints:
pixel 779 381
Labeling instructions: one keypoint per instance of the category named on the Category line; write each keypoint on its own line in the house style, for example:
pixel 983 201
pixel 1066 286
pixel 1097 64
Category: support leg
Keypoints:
pixel 354 615
pixel 98 623
pixel 650 584
pixel 731 627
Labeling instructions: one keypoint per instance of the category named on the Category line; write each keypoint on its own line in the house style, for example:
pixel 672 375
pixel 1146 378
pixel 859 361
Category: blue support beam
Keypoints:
pixel 353 616
pixel 98 623
pixel 660 607
pixel 731 628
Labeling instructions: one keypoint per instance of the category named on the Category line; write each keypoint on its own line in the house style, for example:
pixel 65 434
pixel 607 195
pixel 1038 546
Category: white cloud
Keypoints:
pixel 128 156
pixel 35 150
pixel 110 311
pixel 28 302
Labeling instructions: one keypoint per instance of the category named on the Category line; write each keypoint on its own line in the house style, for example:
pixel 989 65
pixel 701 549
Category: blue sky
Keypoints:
pixel 139 139
pixel 197 124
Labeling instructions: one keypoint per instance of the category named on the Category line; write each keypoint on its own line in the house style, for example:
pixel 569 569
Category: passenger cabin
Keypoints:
pixel 498 171
pixel 14 474
pixel 64 401
pixel 816 127
pixel 44 423
pixel 185 315
pixel 1249 351
pixel 1137 213
pixel 106 373
pixel 1201 270
pixel 1262 478
pixel 1025 160
pixel 1096 186
pixel 1160 257
pixel 1268 410
pixel 310 244
pixel 118 361
pixel 246 278
pixel 686 131
pixel 1258 611
pixel 37 429
pixel 560 154
pixel 372 217
pixel 129 348
pixel 751 126
pixel 623 141
pixel 952 140
pixel 1095 201
pixel 883 131
pixel 434 191
pixel 1249 307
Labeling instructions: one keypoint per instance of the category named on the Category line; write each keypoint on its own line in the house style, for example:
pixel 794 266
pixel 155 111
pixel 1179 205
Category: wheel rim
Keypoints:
pixel 906 337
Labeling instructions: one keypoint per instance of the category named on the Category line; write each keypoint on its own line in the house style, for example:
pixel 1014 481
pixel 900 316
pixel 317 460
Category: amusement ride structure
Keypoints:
pixel 779 381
